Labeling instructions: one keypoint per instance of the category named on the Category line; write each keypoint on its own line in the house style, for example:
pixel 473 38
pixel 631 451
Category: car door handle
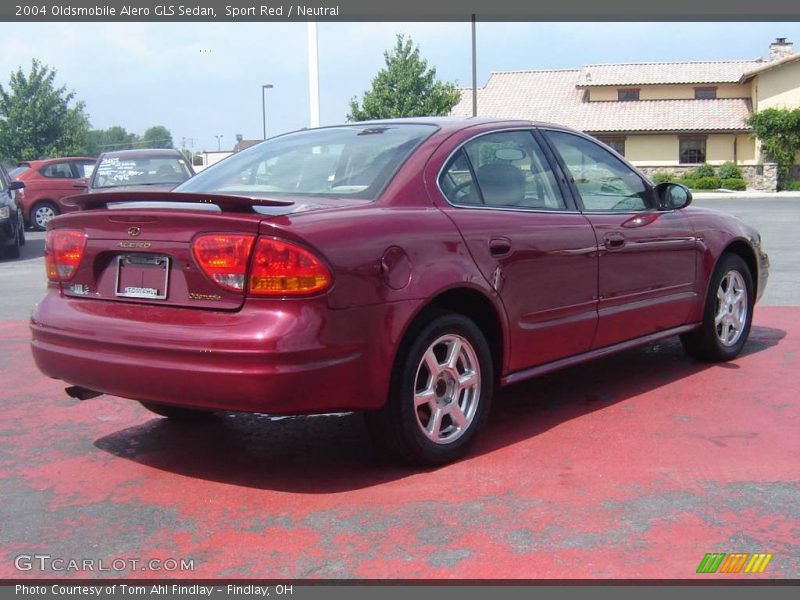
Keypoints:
pixel 499 246
pixel 614 241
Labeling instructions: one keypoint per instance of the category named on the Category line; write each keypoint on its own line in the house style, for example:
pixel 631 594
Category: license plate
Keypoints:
pixel 142 276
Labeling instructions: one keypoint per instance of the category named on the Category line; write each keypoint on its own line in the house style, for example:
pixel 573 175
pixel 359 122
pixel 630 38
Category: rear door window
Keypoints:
pixel 61 170
pixel 511 172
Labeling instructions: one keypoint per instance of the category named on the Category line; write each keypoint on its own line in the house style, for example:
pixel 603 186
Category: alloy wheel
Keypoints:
pixel 447 389
pixel 730 315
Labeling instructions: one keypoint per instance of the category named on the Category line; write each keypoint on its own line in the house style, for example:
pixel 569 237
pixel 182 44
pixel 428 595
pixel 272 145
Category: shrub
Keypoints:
pixel 662 177
pixel 706 183
pixel 728 170
pixel 793 185
pixel 734 183
pixel 701 172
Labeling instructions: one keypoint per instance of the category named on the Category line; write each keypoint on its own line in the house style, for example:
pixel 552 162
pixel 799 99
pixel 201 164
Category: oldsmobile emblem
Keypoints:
pixel 134 231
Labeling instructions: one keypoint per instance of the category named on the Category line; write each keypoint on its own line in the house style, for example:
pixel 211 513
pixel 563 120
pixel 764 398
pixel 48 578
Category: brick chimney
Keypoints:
pixel 780 48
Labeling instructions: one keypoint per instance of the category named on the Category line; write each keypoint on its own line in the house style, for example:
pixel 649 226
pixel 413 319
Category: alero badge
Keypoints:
pixel 134 231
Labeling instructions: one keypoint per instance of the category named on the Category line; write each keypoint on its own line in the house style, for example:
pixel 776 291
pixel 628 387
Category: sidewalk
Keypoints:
pixel 729 195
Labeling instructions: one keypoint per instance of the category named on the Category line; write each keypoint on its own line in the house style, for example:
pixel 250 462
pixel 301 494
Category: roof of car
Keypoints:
pixel 451 124
pixel 141 152
pixel 47 161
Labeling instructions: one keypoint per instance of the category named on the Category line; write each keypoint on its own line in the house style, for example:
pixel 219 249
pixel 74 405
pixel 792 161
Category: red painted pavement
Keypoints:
pixel 634 466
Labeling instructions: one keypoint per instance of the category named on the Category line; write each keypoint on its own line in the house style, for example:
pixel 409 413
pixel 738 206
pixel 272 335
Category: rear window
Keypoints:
pixel 114 171
pixel 355 161
pixel 18 170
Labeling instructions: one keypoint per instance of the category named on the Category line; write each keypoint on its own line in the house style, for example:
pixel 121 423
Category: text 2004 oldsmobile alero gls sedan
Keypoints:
pixel 404 268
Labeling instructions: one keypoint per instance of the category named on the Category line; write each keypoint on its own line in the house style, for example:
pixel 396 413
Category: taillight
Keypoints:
pixel 63 251
pixel 224 257
pixel 285 269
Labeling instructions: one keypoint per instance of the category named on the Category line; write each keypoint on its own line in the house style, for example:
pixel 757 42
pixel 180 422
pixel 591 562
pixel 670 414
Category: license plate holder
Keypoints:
pixel 144 276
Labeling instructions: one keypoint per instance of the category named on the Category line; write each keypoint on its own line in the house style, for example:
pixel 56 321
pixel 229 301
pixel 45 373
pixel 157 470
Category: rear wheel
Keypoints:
pixel 440 394
pixel 41 213
pixel 727 314
pixel 177 413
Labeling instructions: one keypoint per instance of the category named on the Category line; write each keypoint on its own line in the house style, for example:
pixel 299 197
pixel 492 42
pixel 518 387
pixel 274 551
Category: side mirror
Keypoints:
pixel 673 196
pixel 81 184
pixel 16 185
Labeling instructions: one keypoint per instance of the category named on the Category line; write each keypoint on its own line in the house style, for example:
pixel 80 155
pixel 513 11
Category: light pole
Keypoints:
pixel 264 88
pixel 219 137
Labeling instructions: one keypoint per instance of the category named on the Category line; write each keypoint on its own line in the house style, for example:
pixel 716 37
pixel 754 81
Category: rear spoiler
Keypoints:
pixel 223 201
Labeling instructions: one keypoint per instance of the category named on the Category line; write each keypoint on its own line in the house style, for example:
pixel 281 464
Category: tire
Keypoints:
pixel 13 250
pixel 177 413
pixel 22 239
pixel 41 213
pixel 436 406
pixel 726 316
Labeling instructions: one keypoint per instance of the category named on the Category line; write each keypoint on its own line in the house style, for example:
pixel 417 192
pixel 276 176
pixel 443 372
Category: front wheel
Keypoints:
pixel 727 314
pixel 13 251
pixel 440 395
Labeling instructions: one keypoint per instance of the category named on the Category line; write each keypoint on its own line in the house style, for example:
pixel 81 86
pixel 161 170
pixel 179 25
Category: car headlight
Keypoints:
pixel 5 212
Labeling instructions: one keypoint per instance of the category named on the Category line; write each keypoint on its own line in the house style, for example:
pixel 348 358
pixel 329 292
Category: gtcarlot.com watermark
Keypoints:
pixel 57 564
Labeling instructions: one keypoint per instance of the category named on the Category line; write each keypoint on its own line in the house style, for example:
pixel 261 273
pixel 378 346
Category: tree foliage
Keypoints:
pixel 113 138
pixel 157 136
pixel 119 138
pixel 38 119
pixel 778 130
pixel 406 87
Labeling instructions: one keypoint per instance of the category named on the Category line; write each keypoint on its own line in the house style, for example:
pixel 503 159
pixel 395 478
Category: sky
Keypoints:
pixel 201 80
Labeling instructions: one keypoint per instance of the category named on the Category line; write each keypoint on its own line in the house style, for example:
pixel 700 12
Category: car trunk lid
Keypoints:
pixel 139 245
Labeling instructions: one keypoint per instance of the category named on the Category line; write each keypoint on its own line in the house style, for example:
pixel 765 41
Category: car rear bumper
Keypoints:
pixel 279 357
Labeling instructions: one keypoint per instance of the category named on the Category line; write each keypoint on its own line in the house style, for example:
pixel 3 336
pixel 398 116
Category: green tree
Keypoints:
pixel 113 138
pixel 38 119
pixel 157 136
pixel 406 87
pixel 778 130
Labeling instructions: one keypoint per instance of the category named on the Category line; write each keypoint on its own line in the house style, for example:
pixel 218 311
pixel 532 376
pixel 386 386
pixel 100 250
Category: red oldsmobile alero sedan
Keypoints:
pixel 404 268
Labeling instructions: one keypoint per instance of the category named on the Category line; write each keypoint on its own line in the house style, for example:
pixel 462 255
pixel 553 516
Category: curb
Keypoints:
pixel 729 195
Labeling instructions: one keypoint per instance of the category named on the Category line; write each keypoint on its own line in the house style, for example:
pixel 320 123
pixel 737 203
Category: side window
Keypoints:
pixel 83 170
pixel 57 171
pixel 457 182
pixel 512 172
pixel 3 185
pixel 605 183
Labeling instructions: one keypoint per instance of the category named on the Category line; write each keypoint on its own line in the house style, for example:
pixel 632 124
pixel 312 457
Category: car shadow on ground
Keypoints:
pixel 326 454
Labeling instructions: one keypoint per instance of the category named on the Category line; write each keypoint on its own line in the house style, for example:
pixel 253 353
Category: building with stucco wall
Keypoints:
pixel 668 116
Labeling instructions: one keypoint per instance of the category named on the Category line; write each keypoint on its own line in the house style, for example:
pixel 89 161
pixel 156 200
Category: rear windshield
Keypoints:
pixel 355 161
pixel 18 170
pixel 113 171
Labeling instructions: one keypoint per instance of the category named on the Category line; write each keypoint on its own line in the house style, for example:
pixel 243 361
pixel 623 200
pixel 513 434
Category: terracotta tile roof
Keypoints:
pixel 554 96
pixel 766 66
pixel 721 71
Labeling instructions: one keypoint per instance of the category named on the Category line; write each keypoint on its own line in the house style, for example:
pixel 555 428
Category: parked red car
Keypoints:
pixel 404 268
pixel 47 182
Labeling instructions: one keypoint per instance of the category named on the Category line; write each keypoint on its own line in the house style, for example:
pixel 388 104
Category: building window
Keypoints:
pixel 627 94
pixel 617 144
pixel 705 93
pixel 692 150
